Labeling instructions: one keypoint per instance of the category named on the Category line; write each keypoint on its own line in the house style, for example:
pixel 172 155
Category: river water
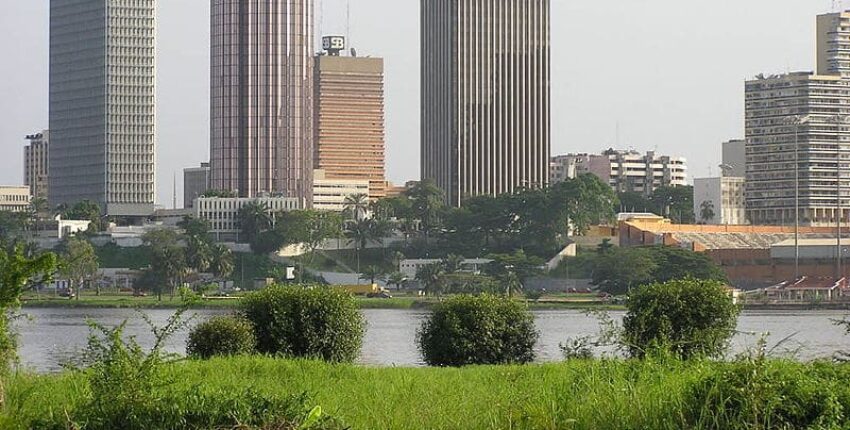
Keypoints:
pixel 51 337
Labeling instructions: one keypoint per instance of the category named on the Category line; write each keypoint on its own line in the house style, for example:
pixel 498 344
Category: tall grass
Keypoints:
pixel 582 394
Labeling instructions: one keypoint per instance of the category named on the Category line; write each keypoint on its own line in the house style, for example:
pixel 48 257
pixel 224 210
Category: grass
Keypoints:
pixel 602 394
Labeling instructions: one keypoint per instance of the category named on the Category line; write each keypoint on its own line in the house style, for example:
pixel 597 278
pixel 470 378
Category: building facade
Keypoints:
pixel 787 158
pixel 485 96
pixel 625 171
pixel 262 97
pixel 14 198
pixel 36 164
pixel 196 181
pixel 349 119
pixel 833 44
pixel 720 201
pixel 102 104
pixel 329 194
pixel 223 213
pixel 735 158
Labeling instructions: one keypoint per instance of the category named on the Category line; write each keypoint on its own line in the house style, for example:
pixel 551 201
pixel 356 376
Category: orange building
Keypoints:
pixel 349 119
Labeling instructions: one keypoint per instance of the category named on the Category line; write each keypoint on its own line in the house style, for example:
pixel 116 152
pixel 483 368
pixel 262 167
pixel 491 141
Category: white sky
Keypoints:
pixel 667 73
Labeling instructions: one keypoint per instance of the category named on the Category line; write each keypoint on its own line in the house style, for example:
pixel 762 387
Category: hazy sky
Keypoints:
pixel 668 74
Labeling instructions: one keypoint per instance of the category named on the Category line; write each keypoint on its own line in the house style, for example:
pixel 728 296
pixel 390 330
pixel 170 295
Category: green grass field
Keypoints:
pixel 608 394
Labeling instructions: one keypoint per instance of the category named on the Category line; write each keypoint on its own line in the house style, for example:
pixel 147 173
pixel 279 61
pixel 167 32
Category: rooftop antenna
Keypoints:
pixel 348 22
pixel 174 191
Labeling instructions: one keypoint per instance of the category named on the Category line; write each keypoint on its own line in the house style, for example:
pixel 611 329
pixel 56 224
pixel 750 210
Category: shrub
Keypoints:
pixel 221 336
pixel 687 318
pixel 761 394
pixel 317 322
pixel 467 330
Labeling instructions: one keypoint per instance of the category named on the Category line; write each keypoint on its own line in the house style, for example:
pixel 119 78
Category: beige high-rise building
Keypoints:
pixel 262 97
pixel 485 95
pixel 833 44
pixel 36 164
pixel 349 117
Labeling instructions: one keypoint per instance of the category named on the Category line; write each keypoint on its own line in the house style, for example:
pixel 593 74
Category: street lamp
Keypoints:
pixel 838 120
pixel 797 121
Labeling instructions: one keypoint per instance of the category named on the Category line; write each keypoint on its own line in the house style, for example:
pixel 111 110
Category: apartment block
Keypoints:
pixel 625 171
pixel 196 181
pixel 788 159
pixel 329 194
pixel 36 164
pixel 102 104
pixel 261 137
pixel 485 96
pixel 349 117
pixel 14 198
pixel 720 201
pixel 833 44
pixel 223 213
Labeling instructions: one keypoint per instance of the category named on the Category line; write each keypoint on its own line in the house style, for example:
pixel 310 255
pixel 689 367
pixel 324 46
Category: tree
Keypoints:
pixel 676 203
pixel 198 254
pixel 17 272
pixel 514 270
pixel 588 200
pixel 361 233
pixel 169 265
pixel 79 263
pixel 453 263
pixel 431 277
pixel 398 279
pixel 218 194
pixel 621 269
pixel 356 206
pixel 706 211
pixel 634 202
pixel 197 228
pixel 86 210
pixel 427 204
pixel 222 262
pixel 310 228
pixel 39 210
pixel 687 317
pixel 254 218
pixel 161 238
pixel 373 274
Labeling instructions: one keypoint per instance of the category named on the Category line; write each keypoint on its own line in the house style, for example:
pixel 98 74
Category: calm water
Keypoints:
pixel 50 337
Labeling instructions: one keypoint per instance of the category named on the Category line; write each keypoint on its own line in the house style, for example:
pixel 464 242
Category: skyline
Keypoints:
pixel 668 80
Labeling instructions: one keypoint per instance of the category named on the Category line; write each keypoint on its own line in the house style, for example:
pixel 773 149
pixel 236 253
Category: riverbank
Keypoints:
pixel 573 395
pixel 129 302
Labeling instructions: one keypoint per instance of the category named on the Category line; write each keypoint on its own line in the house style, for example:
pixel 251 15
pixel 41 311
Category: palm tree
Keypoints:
pixel 356 206
pixel 431 277
pixel 398 279
pixel 427 201
pixel 254 218
pixel 198 254
pixel 706 212
pixel 453 263
pixel 221 263
pixel 38 211
pixel 372 274
pixel 359 233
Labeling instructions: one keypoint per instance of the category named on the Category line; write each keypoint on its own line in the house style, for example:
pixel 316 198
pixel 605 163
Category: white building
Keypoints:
pixel 411 266
pixel 721 197
pixel 223 213
pixel 14 198
pixel 625 171
pixel 330 194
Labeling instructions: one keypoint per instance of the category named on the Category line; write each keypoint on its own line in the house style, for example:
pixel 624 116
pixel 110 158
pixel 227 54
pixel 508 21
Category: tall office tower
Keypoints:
pixel 196 182
pixel 833 44
pixel 735 158
pixel 102 104
pixel 349 117
pixel 485 95
pixel 36 164
pixel 262 97
pixel 793 140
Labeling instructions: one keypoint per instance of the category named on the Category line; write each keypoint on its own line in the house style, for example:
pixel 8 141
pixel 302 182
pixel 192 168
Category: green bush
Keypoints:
pixel 687 318
pixel 316 322
pixel 759 394
pixel 469 330
pixel 221 336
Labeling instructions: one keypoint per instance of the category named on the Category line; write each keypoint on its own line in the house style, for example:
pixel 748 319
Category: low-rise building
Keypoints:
pixel 223 213
pixel 330 194
pixel 720 200
pixel 14 198
pixel 411 266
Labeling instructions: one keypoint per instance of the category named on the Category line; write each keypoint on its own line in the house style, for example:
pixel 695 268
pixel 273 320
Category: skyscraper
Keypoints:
pixel 196 181
pixel 349 117
pixel 261 91
pixel 485 95
pixel 36 163
pixel 102 104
